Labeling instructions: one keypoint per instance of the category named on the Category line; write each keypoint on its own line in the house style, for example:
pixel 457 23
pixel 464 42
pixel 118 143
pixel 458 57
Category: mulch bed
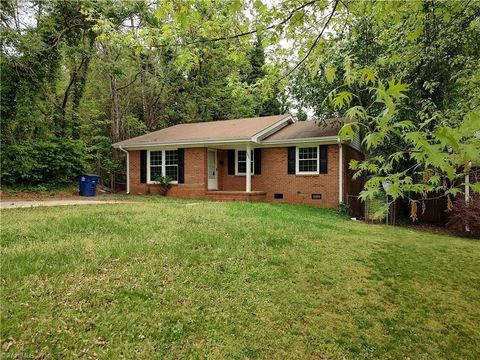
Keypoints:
pixel 436 229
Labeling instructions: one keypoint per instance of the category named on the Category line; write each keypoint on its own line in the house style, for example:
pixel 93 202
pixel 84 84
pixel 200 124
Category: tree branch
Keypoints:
pixel 130 83
pixel 72 80
pixel 317 39
pixel 251 32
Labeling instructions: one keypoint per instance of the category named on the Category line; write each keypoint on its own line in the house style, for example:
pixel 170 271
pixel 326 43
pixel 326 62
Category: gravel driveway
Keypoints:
pixel 14 204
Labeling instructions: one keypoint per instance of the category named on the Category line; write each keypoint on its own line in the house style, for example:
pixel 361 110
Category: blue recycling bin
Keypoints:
pixel 88 184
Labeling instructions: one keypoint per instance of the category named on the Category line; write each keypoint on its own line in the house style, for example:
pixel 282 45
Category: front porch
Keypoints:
pixel 228 172
pixel 226 182
pixel 229 195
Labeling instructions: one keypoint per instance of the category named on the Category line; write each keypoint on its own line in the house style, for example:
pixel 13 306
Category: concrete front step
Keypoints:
pixel 236 195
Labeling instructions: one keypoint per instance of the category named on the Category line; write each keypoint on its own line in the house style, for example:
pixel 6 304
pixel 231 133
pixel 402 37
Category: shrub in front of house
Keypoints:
pixel 164 184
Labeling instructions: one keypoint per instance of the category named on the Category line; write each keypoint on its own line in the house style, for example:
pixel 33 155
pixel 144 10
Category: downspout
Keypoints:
pixel 248 175
pixel 340 172
pixel 128 168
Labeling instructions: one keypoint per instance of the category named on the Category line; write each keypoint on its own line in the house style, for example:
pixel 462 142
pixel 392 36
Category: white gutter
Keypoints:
pixel 467 192
pixel 183 142
pixel 248 174
pixel 340 172
pixel 236 143
pixel 128 167
pixel 321 140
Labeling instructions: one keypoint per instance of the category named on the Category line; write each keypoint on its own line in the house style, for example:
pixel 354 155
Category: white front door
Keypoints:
pixel 212 169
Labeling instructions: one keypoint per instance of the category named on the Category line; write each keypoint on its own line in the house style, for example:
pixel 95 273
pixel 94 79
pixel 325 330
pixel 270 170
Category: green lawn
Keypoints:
pixel 171 279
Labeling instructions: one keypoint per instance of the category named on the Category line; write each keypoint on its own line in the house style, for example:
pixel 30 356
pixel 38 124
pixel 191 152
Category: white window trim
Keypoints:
pixel 163 166
pixel 297 161
pixel 236 162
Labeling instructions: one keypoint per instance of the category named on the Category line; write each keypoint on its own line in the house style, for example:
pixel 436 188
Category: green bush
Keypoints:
pixel 51 161
pixel 343 208
pixel 164 183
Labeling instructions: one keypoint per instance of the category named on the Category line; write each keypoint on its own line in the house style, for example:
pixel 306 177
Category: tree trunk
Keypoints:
pixel 79 85
pixel 115 110
pixel 143 84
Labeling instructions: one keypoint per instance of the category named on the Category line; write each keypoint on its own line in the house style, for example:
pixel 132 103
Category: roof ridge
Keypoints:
pixel 248 118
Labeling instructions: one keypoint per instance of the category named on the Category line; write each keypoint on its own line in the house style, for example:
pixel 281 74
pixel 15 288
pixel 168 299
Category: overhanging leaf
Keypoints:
pixel 356 112
pixel 347 131
pixel 342 99
pixel 330 73
pixel 397 89
pixel 475 187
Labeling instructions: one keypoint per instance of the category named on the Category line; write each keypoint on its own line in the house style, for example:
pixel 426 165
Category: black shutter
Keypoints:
pixel 323 159
pixel 291 159
pixel 257 161
pixel 143 166
pixel 231 162
pixel 181 166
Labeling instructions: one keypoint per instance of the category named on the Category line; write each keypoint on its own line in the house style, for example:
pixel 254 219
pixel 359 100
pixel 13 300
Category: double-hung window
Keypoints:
pixel 155 165
pixel 162 163
pixel 307 160
pixel 242 162
pixel 171 164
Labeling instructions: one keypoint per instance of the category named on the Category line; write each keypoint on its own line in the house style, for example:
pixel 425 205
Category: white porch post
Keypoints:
pixel 128 172
pixel 248 175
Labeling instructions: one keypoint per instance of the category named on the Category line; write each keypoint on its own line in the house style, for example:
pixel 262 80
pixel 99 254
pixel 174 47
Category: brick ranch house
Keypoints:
pixel 291 161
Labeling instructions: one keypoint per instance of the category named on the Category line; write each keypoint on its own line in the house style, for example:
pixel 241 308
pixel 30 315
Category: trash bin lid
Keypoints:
pixel 89 177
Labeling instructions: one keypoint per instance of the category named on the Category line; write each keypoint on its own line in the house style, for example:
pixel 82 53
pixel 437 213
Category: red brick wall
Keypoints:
pixel 195 175
pixel 274 178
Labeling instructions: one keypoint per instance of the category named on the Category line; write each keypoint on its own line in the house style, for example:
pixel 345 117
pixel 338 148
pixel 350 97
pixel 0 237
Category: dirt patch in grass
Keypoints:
pixel 430 228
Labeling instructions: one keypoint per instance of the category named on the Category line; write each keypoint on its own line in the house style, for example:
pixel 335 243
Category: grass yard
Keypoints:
pixel 171 279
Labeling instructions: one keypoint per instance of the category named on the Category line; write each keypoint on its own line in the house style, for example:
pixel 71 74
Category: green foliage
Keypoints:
pixel 430 45
pixel 301 115
pixel 330 73
pixel 343 208
pixel 52 161
pixel 80 70
pixel 256 59
pixel 342 99
pixel 426 50
pixel 134 126
pixel 164 182
pixel 107 70
pixel 428 157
